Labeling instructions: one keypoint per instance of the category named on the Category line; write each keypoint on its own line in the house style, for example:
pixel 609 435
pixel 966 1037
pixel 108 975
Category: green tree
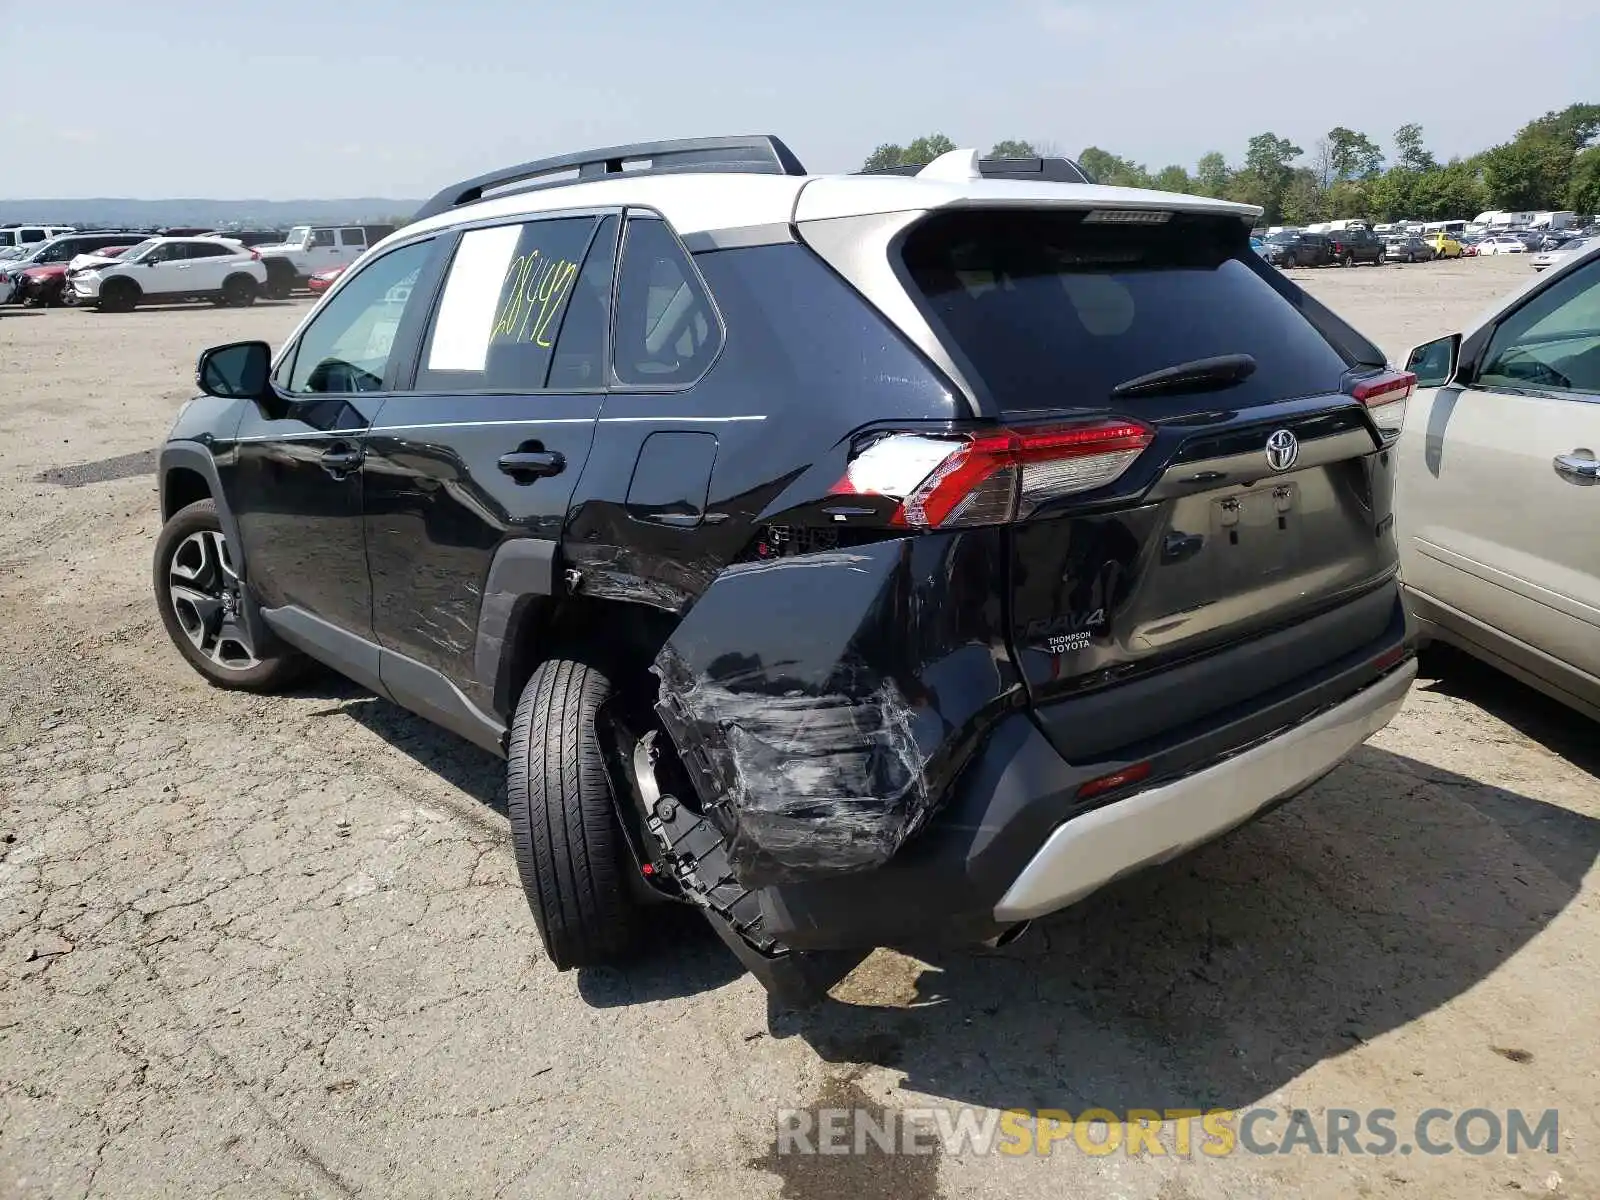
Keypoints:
pixel 1409 152
pixel 1244 188
pixel 1211 174
pixel 1392 194
pixel 1352 155
pixel 1527 173
pixel 1174 179
pixel 1105 167
pixel 1012 148
pixel 1448 192
pixel 1576 125
pixel 1535 168
pixel 923 150
pixel 1302 201
pixel 1349 198
pixel 1583 185
pixel 885 156
pixel 1266 161
pixel 926 149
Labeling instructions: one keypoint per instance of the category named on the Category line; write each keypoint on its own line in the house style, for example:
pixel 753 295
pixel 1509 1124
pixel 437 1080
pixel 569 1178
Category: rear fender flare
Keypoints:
pixel 522 574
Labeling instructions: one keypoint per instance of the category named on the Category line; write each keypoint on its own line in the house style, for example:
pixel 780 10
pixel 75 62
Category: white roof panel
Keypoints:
pixel 705 203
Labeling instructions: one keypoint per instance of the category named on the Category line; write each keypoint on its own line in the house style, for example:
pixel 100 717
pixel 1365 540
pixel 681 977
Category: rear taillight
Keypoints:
pixel 254 257
pixel 990 478
pixel 1385 397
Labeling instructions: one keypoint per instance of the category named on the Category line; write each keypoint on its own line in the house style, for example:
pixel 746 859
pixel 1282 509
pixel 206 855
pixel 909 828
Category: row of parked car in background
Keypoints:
pixel 116 269
pixel 1359 245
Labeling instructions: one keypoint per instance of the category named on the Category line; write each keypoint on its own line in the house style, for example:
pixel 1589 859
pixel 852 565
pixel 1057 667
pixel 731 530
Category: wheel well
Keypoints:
pixel 180 488
pixel 122 283
pixel 245 275
pixel 624 638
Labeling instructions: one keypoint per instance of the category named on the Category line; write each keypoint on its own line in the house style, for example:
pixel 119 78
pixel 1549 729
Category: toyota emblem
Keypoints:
pixel 1283 450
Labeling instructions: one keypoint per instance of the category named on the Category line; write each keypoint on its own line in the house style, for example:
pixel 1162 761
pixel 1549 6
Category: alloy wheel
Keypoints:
pixel 206 595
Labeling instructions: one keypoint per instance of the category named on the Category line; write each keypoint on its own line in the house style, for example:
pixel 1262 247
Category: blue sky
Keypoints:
pixel 288 98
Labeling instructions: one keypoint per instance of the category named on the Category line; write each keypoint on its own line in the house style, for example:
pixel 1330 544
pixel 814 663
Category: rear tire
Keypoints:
pixel 118 295
pixel 570 849
pixel 280 279
pixel 239 291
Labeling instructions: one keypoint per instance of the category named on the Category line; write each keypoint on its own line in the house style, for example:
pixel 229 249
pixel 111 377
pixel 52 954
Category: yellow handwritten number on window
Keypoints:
pixel 533 291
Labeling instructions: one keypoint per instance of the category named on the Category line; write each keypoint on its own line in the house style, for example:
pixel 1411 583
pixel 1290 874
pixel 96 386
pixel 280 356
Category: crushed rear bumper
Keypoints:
pixel 1014 840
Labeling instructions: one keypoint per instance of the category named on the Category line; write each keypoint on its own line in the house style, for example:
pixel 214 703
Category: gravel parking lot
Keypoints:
pixel 261 947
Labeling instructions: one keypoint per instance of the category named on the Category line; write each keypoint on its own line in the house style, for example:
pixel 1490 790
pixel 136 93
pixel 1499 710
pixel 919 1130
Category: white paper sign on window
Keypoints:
pixel 471 295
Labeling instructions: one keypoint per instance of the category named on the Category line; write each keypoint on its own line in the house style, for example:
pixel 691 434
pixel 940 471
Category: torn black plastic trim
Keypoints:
pixel 823 703
pixel 810 782
pixel 698 854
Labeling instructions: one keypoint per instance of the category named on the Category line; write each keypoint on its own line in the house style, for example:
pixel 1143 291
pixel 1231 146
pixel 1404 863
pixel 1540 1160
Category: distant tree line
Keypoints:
pixel 1551 163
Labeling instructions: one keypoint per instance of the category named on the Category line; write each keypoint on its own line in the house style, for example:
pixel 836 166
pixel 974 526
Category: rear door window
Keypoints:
pixel 508 288
pixel 1053 312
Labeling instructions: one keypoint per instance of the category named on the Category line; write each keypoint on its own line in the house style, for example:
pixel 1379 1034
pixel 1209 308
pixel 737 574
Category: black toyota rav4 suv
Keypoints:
pixel 861 559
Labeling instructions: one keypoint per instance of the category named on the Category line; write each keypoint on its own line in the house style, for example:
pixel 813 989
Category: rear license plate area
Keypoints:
pixel 1257 527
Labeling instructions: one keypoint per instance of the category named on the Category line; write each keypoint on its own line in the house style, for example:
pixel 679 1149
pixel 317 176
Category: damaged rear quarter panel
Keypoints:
pixel 824 703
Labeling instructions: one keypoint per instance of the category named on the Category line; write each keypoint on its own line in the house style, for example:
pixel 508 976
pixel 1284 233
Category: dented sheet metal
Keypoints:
pixel 815 741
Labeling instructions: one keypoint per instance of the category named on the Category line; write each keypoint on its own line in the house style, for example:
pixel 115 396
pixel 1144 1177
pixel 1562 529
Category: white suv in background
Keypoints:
pixel 27 235
pixel 173 268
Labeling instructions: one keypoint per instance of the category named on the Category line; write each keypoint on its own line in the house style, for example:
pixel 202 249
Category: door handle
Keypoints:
pixel 341 460
pixel 1578 466
pixel 527 465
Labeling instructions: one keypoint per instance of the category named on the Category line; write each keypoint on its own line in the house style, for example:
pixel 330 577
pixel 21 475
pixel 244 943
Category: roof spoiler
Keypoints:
pixel 758 154
pixel 1040 170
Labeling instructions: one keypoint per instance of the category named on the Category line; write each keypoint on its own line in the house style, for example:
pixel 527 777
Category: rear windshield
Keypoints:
pixel 1052 312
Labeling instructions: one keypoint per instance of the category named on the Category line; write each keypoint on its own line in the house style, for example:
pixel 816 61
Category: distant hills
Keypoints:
pixel 268 214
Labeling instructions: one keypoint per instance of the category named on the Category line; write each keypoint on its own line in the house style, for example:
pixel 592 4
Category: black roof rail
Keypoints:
pixel 758 154
pixel 1044 170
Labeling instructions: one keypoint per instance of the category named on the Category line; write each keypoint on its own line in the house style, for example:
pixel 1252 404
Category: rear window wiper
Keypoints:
pixel 1195 375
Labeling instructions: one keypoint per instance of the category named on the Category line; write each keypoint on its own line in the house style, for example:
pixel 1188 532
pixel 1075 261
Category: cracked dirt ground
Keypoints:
pixel 276 947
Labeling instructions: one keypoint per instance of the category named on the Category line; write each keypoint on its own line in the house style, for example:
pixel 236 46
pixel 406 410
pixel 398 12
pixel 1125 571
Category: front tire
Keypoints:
pixel 569 845
pixel 118 295
pixel 200 598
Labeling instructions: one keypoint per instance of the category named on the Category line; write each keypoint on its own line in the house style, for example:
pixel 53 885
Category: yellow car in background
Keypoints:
pixel 1444 246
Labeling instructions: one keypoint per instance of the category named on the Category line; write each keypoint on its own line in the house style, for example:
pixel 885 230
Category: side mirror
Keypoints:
pixel 237 371
pixel 1434 363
